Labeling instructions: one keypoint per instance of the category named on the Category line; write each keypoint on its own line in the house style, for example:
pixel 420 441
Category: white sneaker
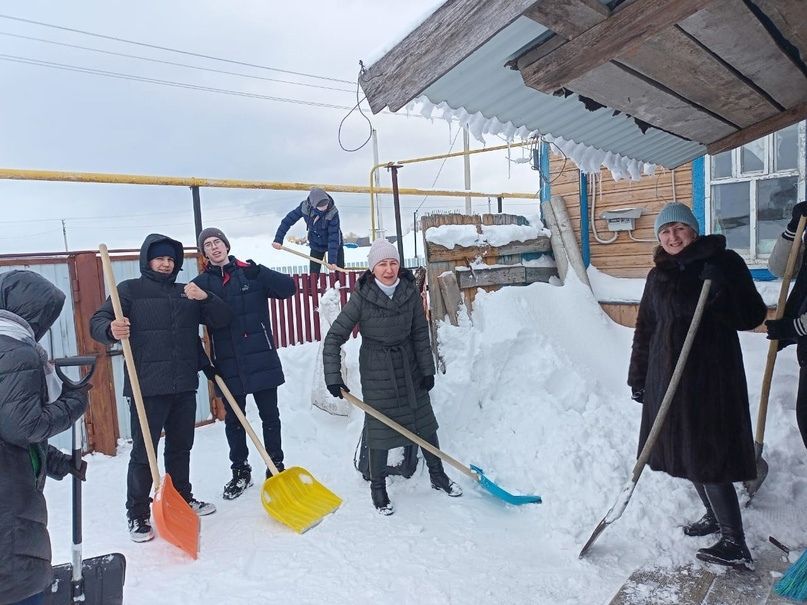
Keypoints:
pixel 202 508
pixel 140 530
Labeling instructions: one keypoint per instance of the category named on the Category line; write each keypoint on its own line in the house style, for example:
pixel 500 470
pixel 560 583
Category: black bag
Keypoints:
pixel 406 467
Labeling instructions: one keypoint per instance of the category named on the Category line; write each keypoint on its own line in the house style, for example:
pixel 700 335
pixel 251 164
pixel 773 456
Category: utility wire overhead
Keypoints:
pixel 173 50
pixel 172 63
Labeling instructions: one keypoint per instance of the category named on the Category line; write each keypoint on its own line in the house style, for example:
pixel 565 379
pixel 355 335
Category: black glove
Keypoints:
pixel 799 210
pixel 638 395
pixel 69 386
pixel 80 472
pixel 781 329
pixel 251 270
pixel 714 272
pixel 211 372
pixel 428 382
pixel 336 389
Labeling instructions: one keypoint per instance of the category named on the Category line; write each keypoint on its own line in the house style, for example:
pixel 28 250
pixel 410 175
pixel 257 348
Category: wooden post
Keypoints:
pixel 101 419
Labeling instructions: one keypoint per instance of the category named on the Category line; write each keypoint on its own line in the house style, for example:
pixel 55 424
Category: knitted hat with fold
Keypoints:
pixel 676 212
pixel 380 250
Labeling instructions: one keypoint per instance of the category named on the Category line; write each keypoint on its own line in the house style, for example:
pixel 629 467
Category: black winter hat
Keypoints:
pixel 212 232
pixel 163 248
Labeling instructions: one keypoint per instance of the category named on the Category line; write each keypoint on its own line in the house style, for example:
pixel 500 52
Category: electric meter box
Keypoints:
pixel 623 219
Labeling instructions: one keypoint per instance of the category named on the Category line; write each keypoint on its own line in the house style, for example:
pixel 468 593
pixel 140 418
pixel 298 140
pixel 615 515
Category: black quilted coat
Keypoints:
pixel 707 433
pixel 393 359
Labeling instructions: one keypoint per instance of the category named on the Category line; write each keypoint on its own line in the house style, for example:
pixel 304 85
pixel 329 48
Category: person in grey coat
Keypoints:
pixel 33 407
pixel 395 362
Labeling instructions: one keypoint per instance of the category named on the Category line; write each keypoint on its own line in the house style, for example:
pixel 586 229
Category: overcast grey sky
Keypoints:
pixel 62 119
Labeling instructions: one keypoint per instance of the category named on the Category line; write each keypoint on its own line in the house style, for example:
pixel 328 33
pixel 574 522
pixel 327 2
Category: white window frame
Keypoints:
pixel 754 260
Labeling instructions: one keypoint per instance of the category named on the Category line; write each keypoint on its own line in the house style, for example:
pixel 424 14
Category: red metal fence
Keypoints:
pixel 296 319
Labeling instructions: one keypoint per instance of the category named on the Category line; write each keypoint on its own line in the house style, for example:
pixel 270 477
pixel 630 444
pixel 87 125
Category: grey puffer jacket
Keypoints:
pixel 26 422
pixel 393 359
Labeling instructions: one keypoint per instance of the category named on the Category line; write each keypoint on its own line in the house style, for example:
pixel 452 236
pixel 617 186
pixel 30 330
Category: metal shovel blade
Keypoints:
pixel 500 493
pixel 296 499
pixel 102 582
pixel 175 520
pixel 753 485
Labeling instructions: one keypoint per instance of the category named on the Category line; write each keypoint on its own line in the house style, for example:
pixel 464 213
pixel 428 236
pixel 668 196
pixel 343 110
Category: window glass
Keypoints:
pixel 731 214
pixel 775 200
pixel 786 146
pixel 752 157
pixel 721 165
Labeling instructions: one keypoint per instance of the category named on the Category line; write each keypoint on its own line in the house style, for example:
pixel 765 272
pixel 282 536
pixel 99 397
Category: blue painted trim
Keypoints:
pixel 763 275
pixel 699 191
pixel 543 171
pixel 585 247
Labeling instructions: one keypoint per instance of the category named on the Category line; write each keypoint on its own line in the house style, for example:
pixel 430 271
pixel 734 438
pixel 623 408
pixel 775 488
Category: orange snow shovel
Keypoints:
pixel 174 519
pixel 292 496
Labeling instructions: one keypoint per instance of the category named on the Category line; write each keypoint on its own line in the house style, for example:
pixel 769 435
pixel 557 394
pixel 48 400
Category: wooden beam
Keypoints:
pixel 760 129
pixel 569 18
pixel 789 17
pixel 453 32
pixel 619 89
pixel 621 32
pixel 452 298
pixel 730 30
pixel 437 253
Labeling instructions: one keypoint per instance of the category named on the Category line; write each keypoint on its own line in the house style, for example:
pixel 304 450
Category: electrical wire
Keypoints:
pixel 594 191
pixel 173 63
pixel 437 176
pixel 356 106
pixel 173 50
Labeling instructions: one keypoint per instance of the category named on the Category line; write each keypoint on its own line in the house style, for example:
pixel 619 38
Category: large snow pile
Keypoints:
pixel 534 393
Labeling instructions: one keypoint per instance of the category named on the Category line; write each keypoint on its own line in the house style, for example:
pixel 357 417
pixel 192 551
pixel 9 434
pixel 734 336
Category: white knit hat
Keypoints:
pixel 380 250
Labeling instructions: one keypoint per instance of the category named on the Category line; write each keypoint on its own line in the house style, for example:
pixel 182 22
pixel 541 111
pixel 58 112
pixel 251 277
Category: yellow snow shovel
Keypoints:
pixel 293 496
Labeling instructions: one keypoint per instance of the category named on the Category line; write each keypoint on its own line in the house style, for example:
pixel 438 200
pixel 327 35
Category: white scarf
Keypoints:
pixel 14 326
pixel 388 290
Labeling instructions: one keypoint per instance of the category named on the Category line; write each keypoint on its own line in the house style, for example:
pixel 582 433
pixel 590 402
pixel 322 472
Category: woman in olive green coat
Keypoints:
pixel 395 362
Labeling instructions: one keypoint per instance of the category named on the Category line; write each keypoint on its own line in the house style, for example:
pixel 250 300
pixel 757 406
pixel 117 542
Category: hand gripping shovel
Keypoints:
pixel 174 519
pixel 474 472
pixel 316 260
pixel 95 581
pixel 622 500
pixel 292 496
pixel 773 347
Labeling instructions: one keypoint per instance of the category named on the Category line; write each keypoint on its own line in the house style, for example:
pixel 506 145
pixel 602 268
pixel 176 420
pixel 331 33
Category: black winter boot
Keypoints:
pixel 377 460
pixel 440 481
pixel 242 479
pixel 378 492
pixel 704 526
pixel 729 551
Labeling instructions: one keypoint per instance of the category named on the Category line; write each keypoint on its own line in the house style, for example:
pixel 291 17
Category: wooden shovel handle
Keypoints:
pixel 316 260
pixel 773 347
pixel 245 423
pixel 130 368
pixel 409 435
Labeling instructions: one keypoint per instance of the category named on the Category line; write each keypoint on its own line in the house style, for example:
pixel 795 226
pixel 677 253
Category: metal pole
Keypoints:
pixel 396 198
pixel 499 204
pixel 197 210
pixel 64 234
pixel 415 231
pixel 466 146
pixel 379 217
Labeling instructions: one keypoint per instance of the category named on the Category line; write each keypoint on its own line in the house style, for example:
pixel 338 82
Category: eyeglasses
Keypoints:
pixel 212 243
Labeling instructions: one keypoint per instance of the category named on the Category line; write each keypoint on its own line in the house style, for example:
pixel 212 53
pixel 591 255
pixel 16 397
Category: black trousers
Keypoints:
pixel 801 404
pixel 176 415
pixel 266 401
pixel 721 499
pixel 320 254
pixel 377 462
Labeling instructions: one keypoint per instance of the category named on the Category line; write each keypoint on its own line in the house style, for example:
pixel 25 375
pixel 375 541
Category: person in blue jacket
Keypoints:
pixel 324 234
pixel 244 353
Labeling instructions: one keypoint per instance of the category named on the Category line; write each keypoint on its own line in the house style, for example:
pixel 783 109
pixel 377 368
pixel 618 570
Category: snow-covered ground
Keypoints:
pixel 534 393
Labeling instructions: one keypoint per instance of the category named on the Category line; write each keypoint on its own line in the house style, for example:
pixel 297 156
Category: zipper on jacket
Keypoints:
pixel 266 335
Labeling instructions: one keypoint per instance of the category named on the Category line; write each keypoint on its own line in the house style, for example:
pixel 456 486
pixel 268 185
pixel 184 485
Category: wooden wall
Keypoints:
pixel 624 257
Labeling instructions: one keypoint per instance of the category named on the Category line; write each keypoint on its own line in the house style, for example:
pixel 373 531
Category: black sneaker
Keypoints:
pixel 202 508
pixel 730 552
pixel 242 479
pixel 440 481
pixel 140 530
pixel 704 526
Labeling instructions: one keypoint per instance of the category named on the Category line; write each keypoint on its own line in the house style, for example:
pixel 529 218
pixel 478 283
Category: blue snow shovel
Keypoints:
pixel 98 580
pixel 474 472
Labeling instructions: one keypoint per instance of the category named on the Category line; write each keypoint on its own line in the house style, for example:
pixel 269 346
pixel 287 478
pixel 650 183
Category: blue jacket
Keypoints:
pixel 244 352
pixel 324 233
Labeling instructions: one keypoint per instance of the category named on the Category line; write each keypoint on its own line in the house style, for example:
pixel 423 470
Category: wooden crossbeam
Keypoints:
pixel 569 18
pixel 752 133
pixel 622 31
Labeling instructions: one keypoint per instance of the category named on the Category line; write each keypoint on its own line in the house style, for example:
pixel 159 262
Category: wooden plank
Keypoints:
pixel 569 18
pixel 542 274
pixel 730 30
pixel 452 298
pixel 439 253
pixel 675 60
pixel 614 86
pixel 689 584
pixel 623 30
pixel 789 17
pixel 760 129
pixel 448 36
pixel 491 276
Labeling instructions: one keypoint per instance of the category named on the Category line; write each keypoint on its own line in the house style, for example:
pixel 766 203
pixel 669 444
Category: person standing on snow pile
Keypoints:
pixel 792 328
pixel 324 234
pixel 161 320
pixel 395 363
pixel 34 406
pixel 244 352
pixel 706 436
